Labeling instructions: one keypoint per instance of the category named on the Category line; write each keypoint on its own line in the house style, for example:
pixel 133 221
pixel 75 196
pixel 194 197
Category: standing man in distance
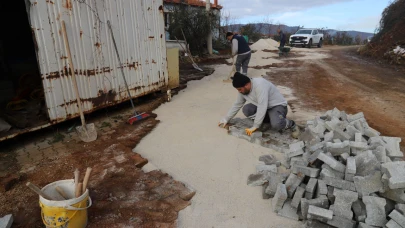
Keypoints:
pixel 282 37
pixel 266 104
pixel 241 48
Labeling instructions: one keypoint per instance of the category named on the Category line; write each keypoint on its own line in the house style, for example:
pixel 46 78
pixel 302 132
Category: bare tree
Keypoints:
pixel 268 25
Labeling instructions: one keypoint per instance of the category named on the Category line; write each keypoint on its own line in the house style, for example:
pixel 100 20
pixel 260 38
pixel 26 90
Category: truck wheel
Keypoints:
pixel 320 43
pixel 310 43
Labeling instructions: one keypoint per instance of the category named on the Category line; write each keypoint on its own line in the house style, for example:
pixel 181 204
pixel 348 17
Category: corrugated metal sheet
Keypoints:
pixel 138 28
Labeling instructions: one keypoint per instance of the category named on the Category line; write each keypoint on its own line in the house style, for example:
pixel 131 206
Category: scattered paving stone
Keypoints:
pixel 392 224
pixel 293 182
pixel 342 172
pixel 279 198
pixel 396 173
pixel 320 214
pixel 375 207
pixel 340 222
pixel 289 211
pixel 397 217
pixel 256 179
pixel 299 194
pixel 343 203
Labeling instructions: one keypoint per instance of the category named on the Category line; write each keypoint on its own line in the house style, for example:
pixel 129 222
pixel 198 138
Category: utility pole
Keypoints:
pixel 209 37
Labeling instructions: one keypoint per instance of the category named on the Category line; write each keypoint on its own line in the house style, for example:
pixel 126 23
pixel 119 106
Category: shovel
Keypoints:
pixel 86 132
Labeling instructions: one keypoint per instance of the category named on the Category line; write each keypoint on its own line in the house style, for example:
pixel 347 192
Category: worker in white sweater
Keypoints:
pixel 240 48
pixel 266 105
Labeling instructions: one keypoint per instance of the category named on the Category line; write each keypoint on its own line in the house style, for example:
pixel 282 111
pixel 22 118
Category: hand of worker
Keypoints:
pixel 222 123
pixel 249 131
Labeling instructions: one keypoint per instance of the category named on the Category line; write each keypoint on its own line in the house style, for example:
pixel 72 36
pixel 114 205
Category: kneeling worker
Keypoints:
pixel 266 105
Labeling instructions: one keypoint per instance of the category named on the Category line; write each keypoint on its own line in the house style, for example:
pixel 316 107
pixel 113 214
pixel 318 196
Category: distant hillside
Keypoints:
pixel 292 29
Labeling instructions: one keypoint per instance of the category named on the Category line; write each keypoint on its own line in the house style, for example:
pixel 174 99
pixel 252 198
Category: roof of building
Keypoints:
pixel 199 3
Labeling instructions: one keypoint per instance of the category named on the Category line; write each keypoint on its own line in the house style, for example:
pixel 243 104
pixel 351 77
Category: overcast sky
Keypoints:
pixel 360 15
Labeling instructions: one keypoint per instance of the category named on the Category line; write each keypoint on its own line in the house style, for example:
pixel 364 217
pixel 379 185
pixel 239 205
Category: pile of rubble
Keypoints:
pixel 341 174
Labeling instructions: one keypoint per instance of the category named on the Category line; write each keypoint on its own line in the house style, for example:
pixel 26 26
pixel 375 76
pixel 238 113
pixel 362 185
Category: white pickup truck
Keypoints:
pixel 306 38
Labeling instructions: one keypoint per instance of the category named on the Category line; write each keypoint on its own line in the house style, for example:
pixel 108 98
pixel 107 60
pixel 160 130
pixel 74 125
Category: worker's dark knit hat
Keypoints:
pixel 239 80
pixel 229 34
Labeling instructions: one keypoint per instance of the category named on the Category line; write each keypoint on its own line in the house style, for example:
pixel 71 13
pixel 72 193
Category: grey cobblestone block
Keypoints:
pixel 366 163
pixel 395 171
pixel 392 224
pixel 298 161
pixel 315 224
pixel 320 214
pixel 375 208
pixel 311 186
pixel 292 182
pixel 392 146
pixel 368 184
pixel 314 156
pixel 330 195
pixel 340 222
pixel 333 163
pixel 299 194
pixel 380 154
pixel 279 198
pixel 343 203
pixel 351 165
pixel 397 217
pixel 375 142
pixel 349 177
pixel 307 171
pixel 396 195
pixel 322 202
pixel 332 124
pixel 309 195
pixel 264 194
pixel 266 168
pixel 328 137
pixel 340 184
pixel 273 181
pixel 288 211
pixel 400 208
pixel 370 132
pixel 337 141
pixel 344 156
pixel 363 225
pixel 359 146
pixel 355 117
pixel 322 188
pixel 327 171
pixel 256 179
pixel 359 209
pixel 338 148
pixel 318 146
pixel 340 134
pixel 268 159
pixel 351 131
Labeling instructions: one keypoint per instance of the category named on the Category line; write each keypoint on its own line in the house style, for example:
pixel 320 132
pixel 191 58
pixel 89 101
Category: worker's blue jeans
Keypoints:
pixel 276 116
pixel 243 61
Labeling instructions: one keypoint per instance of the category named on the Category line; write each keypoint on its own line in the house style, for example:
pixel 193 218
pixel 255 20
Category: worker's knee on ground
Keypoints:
pixel 249 110
pixel 278 124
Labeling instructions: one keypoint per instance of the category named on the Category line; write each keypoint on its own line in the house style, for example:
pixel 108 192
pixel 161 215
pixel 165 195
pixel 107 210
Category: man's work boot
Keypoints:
pixel 295 130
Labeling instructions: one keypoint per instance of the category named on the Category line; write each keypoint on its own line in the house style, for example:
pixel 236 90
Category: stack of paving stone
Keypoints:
pixel 341 174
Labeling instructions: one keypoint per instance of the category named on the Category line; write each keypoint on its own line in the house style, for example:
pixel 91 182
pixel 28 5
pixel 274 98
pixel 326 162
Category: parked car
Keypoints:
pixel 306 38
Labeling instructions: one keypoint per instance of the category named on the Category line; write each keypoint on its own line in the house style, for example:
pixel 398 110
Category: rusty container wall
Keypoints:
pixel 138 28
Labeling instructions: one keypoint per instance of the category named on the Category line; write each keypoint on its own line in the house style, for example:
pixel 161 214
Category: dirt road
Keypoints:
pixel 348 82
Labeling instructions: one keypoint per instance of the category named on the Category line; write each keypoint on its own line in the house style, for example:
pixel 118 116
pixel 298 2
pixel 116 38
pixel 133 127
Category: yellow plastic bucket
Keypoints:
pixel 71 213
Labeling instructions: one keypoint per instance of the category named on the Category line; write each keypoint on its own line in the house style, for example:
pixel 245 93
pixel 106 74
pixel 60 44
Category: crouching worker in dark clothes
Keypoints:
pixel 266 105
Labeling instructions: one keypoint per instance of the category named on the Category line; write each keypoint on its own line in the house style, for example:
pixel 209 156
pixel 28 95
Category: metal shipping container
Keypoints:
pixel 138 28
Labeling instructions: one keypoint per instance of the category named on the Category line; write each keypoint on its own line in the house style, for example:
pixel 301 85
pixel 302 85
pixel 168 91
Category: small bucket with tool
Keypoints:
pixel 68 213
